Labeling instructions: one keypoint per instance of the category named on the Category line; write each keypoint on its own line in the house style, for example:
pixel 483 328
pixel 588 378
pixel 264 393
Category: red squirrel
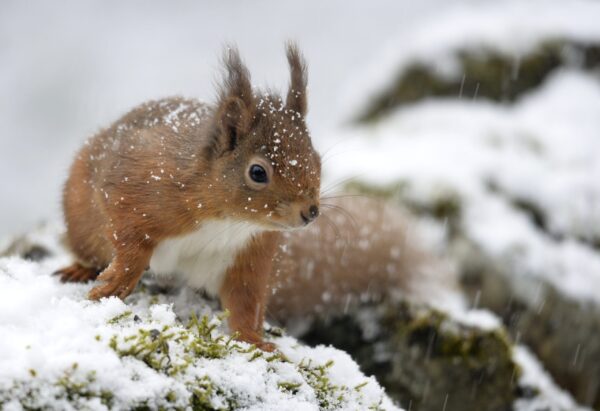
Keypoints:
pixel 178 185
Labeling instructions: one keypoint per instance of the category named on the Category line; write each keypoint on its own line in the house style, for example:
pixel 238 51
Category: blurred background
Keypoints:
pixel 68 70
pixel 481 118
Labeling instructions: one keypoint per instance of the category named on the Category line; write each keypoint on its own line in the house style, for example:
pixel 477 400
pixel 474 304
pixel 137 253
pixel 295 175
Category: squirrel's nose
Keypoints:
pixel 310 215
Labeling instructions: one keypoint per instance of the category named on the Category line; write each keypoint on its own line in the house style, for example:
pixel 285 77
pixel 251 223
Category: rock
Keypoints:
pixel 483 74
pixel 26 250
pixel 154 351
pixel 424 358
pixel 39 244
pixel 564 333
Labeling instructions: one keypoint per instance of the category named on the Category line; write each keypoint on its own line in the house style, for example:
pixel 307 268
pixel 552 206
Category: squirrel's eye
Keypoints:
pixel 258 173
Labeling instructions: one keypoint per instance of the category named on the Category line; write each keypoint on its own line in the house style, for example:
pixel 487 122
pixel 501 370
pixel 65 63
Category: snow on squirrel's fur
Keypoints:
pixel 60 351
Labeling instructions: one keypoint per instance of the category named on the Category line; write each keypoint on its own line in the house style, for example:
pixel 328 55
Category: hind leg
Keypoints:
pixel 86 223
pixel 77 273
pixel 132 256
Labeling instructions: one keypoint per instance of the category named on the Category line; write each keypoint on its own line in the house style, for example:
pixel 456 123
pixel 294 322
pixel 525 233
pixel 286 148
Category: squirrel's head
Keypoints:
pixel 261 149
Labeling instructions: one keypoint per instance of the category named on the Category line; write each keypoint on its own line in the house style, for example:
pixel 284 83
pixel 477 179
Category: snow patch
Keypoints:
pixel 56 343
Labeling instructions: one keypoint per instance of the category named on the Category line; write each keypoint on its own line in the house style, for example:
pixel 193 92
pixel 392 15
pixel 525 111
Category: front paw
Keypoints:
pixel 255 339
pixel 76 273
pixel 101 291
pixel 109 289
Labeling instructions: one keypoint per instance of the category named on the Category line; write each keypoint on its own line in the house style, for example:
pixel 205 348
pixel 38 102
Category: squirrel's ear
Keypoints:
pixel 236 101
pixel 296 97
pixel 233 119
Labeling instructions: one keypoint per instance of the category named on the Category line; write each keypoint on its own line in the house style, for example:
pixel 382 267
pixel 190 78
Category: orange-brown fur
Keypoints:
pixel 246 296
pixel 167 166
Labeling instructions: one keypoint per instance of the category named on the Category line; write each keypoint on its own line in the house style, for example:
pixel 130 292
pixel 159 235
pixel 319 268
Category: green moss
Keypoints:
pixel 478 362
pixel 77 388
pixel 291 387
pixel 120 317
pixel 361 385
pixel 448 342
pixel 376 407
pixel 328 394
pixel 171 351
pixel 420 355
pixel 152 346
pixel 203 390
pixel 149 346
pixel 199 339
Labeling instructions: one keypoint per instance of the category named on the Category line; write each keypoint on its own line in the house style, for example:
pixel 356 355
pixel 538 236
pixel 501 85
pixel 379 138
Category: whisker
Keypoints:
pixel 343 211
pixel 332 225
pixel 337 232
pixel 333 197
pixel 338 183
pixel 343 139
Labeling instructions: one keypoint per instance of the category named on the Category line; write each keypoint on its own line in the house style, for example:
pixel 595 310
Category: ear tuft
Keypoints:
pixel 296 97
pixel 234 122
pixel 236 81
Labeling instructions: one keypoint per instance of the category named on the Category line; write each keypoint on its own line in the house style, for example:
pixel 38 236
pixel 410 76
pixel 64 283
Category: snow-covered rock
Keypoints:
pixel 167 348
pixel 497 50
pixel 431 359
pixel 515 185
pixel 60 351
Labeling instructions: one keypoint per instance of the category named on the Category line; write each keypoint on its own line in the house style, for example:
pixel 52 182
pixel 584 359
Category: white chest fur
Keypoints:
pixel 204 255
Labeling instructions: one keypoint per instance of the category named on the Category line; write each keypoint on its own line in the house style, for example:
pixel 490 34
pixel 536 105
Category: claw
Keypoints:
pixel 76 273
pixel 258 342
pixel 113 287
pixel 97 293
